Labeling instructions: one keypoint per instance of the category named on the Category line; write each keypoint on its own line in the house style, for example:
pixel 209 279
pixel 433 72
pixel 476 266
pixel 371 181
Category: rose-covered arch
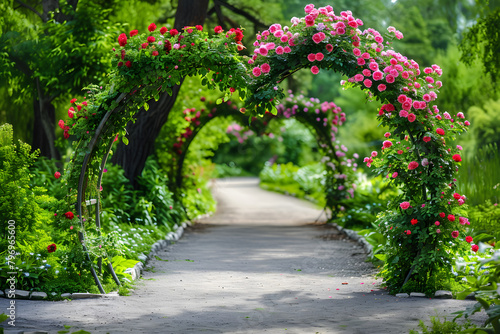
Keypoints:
pixel 423 224
pixel 322 118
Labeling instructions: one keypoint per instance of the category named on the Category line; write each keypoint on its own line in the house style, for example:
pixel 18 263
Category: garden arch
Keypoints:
pixel 420 224
pixel 323 119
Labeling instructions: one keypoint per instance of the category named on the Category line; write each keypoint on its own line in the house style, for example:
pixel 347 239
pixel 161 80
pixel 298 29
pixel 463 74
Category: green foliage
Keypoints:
pixel 480 177
pixel 439 326
pixel 481 42
pixel 484 284
pixel 486 120
pixel 19 202
pixel 151 204
pixel 485 216
pixel 371 197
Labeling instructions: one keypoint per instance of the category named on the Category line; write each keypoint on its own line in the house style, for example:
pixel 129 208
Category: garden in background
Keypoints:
pixel 404 154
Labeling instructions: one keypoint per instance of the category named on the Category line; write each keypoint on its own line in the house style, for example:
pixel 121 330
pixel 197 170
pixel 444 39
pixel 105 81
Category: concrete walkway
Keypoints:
pixel 258 265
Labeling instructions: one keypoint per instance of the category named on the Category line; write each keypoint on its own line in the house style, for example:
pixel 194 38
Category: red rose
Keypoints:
pixel 163 30
pixel 408 232
pixel 454 234
pixel 69 215
pixel 66 134
pixel 72 101
pixel 151 39
pixel 173 32
pixel 457 157
pixel 412 165
pixel 155 53
pixel 133 33
pixel 218 29
pixel 427 139
pixel 198 27
pixel 152 27
pixel 475 248
pixel 440 131
pixel 57 175
pixel 128 64
pixel 167 46
pixel 144 45
pixel 468 239
pixel 414 222
pixel 122 39
pixel 442 215
pixel 456 196
pixel 120 64
pixel 451 218
pixel 61 124
pixel 51 248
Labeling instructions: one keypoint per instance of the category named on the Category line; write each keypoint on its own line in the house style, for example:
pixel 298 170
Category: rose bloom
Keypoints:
pixel 265 68
pixel 57 175
pixel 387 144
pixel 404 205
pixel 437 223
pixel 414 221
pixel 440 131
pixel 427 139
pixel 315 70
pixel 454 234
pixel 412 165
pixel 408 232
pixel 387 134
pixel 474 248
pixel 381 87
pixel 394 175
pixel 152 27
pixel 69 215
pixel 456 196
pixel 457 157
pixel 51 248
pixel 451 218
pixel 442 214
pixel 412 117
pixel 468 239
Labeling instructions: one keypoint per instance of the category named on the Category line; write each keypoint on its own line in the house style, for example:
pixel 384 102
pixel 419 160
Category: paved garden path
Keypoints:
pixel 259 265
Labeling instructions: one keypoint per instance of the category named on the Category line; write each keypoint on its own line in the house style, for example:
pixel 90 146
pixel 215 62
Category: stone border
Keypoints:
pixel 353 235
pixel 135 271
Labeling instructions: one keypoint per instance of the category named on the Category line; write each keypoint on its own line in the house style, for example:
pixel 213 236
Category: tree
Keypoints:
pixel 148 123
pixel 50 49
pixel 482 40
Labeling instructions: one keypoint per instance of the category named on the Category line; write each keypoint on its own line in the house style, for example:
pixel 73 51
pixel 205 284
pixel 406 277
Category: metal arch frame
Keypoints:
pixel 81 189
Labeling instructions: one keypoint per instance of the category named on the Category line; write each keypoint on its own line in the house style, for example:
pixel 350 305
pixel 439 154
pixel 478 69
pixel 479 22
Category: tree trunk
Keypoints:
pixel 43 126
pixel 142 134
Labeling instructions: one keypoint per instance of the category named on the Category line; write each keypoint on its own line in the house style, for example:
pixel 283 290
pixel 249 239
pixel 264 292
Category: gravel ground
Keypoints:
pixel 261 264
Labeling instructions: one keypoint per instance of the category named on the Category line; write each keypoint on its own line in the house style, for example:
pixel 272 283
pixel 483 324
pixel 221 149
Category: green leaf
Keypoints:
pixel 146 106
pixel 125 140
